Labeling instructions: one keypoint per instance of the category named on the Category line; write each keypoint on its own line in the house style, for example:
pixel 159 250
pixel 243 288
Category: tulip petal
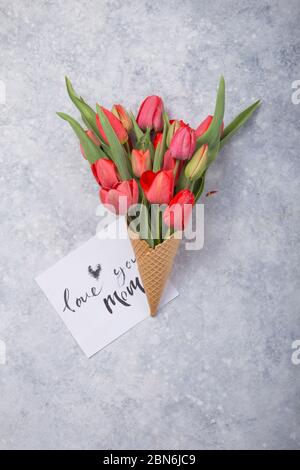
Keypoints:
pixel 147 179
pixel 203 126
pixel 106 172
pixel 179 210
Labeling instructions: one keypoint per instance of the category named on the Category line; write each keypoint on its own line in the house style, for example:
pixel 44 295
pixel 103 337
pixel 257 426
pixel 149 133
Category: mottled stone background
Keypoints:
pixel 214 370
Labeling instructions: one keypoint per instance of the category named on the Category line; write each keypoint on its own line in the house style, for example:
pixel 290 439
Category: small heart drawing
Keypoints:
pixel 95 272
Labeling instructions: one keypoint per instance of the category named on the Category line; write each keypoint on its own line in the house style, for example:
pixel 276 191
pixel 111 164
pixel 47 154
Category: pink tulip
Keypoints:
pixel 115 123
pixel 119 198
pixel 183 143
pixel 150 113
pixel 204 126
pixel 105 172
pixel 158 187
pixel 93 138
pixel 175 124
pixel 140 161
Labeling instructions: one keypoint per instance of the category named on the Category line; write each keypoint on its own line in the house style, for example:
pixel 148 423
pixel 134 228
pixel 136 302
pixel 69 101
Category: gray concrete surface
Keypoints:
pixel 214 370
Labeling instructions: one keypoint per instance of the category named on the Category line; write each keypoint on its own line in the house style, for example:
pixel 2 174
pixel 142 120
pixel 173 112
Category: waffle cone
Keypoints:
pixel 155 266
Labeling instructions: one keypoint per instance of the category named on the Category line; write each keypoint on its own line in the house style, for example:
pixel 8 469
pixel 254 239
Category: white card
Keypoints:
pixel 97 291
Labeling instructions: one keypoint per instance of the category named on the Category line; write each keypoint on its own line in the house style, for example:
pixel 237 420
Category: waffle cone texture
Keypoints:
pixel 155 266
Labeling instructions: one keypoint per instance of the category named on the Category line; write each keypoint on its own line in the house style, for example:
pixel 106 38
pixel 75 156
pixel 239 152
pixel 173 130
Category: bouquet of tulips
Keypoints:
pixel 151 169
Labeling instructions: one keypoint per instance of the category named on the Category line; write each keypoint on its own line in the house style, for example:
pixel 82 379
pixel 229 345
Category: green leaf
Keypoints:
pixel 91 151
pixel 166 119
pixel 143 142
pixel 107 150
pixel 212 153
pixel 118 155
pixel 87 113
pixel 145 224
pixel 161 148
pixel 212 135
pixel 238 122
pixel 138 132
pixel 72 94
pixel 85 122
pixel 199 187
pixel 183 181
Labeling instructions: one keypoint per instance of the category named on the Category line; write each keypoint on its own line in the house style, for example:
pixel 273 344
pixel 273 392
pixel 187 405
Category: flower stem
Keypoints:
pixel 128 149
pixel 158 226
pixel 176 168
pixel 191 186
pixel 168 233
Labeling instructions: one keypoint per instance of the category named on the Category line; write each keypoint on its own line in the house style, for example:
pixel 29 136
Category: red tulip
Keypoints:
pixel 204 126
pixel 119 198
pixel 93 138
pixel 122 115
pixel 115 123
pixel 150 113
pixel 140 161
pixel 158 186
pixel 169 164
pixel 105 172
pixel 183 143
pixel 179 210
pixel 157 139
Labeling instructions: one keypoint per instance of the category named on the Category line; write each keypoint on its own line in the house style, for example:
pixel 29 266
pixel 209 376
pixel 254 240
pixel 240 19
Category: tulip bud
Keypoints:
pixel 198 163
pixel 183 143
pixel 123 116
pixel 141 161
pixel 150 113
